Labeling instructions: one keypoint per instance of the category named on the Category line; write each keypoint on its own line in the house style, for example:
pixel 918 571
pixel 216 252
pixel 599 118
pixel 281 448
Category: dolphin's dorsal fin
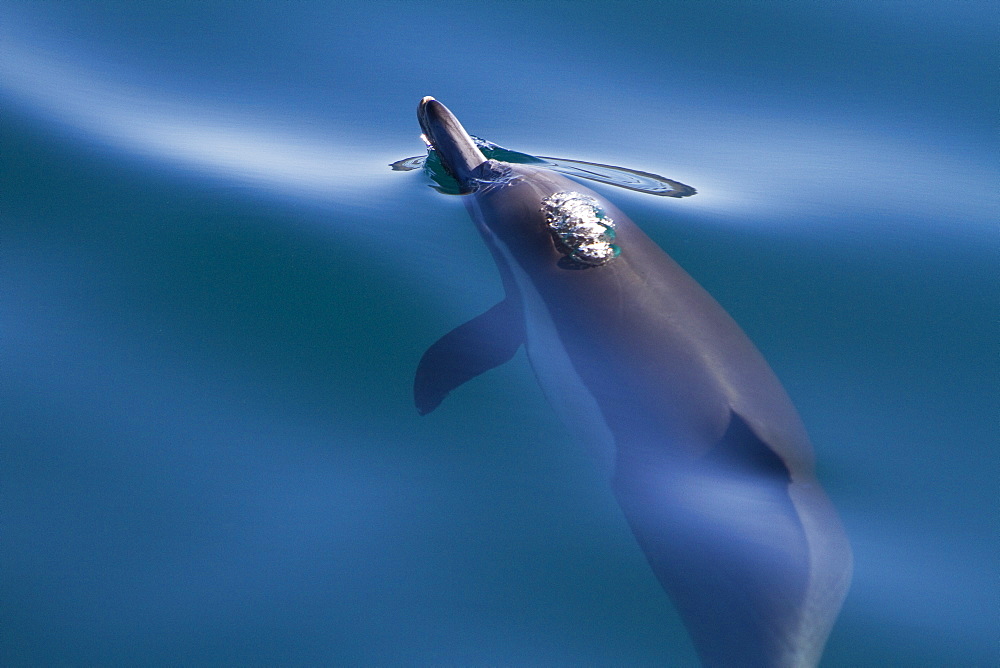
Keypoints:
pixel 742 451
pixel 485 342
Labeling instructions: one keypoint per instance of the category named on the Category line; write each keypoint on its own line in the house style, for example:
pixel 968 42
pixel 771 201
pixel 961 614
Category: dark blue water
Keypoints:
pixel 213 294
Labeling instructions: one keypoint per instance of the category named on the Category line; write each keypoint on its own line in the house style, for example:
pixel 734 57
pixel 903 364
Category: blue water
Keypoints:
pixel 214 292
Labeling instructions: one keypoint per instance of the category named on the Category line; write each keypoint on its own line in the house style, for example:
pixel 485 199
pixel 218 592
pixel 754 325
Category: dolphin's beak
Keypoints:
pixel 458 153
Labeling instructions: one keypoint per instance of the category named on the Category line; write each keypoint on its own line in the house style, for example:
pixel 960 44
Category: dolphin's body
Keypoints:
pixel 712 466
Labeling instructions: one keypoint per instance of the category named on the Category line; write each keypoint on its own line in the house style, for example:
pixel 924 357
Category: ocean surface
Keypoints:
pixel 214 293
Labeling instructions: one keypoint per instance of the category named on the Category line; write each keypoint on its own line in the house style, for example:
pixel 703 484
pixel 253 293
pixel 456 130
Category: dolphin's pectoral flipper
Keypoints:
pixel 485 342
pixel 722 535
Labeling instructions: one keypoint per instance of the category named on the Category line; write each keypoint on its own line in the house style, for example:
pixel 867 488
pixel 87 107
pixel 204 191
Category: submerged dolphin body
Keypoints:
pixel 712 466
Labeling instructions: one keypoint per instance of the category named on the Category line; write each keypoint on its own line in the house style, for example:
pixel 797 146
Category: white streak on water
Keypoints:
pixel 192 134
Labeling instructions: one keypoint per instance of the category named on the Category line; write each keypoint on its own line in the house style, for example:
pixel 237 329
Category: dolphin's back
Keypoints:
pixel 713 468
pixel 711 464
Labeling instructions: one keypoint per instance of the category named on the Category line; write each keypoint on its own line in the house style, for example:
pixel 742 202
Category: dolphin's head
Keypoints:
pixel 458 152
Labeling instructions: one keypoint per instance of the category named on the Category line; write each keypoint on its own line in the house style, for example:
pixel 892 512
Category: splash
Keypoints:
pixel 621 177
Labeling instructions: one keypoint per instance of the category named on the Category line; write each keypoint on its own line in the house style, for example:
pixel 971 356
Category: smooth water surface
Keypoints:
pixel 214 293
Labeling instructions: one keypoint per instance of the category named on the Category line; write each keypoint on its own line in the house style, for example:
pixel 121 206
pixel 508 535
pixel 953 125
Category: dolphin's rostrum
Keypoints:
pixel 712 466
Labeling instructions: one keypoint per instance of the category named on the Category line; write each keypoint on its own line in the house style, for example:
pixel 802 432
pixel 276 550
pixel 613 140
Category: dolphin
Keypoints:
pixel 712 466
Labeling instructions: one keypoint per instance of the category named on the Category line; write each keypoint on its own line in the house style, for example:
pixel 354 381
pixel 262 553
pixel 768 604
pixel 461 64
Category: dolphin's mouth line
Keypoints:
pixel 458 152
pixel 424 122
